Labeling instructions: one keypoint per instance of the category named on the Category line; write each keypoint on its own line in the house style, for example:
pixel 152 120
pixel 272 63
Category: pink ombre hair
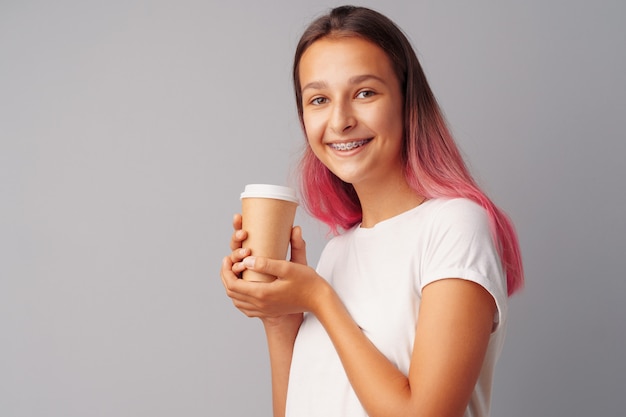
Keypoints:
pixel 433 164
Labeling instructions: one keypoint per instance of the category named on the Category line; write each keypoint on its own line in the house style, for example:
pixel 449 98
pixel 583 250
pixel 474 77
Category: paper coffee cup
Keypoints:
pixel 268 213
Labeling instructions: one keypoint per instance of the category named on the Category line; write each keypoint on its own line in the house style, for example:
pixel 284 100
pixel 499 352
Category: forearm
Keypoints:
pixel 382 389
pixel 281 336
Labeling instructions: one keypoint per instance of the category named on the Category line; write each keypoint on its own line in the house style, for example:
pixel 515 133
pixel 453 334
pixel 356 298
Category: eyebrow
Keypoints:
pixel 319 85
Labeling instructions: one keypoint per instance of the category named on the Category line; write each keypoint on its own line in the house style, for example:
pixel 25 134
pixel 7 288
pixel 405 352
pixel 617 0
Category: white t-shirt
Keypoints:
pixel 379 274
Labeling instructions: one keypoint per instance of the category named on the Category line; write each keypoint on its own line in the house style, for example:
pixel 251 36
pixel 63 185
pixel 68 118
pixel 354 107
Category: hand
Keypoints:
pixel 292 293
pixel 268 301
pixel 298 246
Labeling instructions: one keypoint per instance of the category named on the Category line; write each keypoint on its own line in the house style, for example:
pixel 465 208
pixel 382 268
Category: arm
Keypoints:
pixel 281 336
pixel 452 334
pixel 280 331
pixel 451 340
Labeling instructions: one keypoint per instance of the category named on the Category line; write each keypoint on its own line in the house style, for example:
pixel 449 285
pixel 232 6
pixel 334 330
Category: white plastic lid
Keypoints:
pixel 277 192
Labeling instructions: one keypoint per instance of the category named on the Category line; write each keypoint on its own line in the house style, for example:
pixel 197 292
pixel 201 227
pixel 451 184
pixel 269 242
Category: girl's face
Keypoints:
pixel 352 109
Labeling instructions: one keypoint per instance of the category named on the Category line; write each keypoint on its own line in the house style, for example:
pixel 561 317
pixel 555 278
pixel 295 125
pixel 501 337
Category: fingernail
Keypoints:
pixel 243 251
pixel 249 262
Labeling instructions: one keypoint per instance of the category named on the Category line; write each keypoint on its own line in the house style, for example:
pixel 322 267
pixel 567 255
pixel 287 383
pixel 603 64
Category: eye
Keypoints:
pixel 365 94
pixel 318 101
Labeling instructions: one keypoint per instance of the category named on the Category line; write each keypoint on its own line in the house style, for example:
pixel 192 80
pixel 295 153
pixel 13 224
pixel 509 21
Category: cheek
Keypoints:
pixel 314 139
pixel 393 124
pixel 312 130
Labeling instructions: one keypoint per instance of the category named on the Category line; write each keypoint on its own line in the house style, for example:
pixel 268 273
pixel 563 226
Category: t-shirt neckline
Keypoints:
pixel 383 224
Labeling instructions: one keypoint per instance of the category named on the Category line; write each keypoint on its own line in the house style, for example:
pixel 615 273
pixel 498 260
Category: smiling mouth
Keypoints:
pixel 348 146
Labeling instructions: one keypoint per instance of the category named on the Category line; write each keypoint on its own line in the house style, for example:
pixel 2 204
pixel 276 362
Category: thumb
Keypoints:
pixel 259 264
pixel 298 246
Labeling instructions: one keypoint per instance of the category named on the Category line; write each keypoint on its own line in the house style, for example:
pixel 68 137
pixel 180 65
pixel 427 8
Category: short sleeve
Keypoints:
pixel 460 245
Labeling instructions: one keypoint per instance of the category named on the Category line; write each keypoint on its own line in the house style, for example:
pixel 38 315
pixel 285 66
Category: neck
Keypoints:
pixel 385 200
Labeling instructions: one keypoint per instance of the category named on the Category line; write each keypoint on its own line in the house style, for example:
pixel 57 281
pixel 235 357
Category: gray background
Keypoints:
pixel 128 129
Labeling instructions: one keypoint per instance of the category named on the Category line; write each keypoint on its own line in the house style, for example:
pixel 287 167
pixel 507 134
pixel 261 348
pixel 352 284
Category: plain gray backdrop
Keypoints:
pixel 129 128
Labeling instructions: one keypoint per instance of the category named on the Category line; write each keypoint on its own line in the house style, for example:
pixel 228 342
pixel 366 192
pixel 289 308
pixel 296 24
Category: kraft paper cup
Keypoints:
pixel 268 213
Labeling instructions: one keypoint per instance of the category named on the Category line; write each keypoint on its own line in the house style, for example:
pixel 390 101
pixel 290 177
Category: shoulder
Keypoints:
pixel 458 213
pixel 457 207
pixel 336 244
pixel 461 244
pixel 342 238
pixel 459 229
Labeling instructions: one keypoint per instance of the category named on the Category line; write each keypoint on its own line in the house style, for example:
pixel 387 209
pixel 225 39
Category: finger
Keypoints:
pixel 237 221
pixel 238 268
pixel 238 235
pixel 238 254
pixel 298 246
pixel 226 271
pixel 230 282
pixel 267 266
pixel 254 299
pixel 246 308
pixel 228 274
pixel 236 288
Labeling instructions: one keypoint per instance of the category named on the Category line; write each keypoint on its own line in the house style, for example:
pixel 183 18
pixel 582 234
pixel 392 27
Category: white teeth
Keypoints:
pixel 348 146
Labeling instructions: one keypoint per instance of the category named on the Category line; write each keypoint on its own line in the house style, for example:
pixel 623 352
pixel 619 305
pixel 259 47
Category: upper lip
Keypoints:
pixel 333 142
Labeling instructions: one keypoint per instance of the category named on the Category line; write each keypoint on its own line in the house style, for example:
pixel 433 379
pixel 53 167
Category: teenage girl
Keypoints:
pixel 406 312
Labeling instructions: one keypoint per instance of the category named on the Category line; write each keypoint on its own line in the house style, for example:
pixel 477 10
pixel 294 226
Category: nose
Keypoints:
pixel 342 118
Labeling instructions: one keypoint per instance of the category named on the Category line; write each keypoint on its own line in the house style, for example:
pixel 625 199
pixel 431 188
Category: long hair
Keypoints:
pixel 433 164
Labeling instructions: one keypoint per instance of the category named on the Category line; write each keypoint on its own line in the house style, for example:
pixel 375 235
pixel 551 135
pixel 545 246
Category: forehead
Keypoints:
pixel 343 57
